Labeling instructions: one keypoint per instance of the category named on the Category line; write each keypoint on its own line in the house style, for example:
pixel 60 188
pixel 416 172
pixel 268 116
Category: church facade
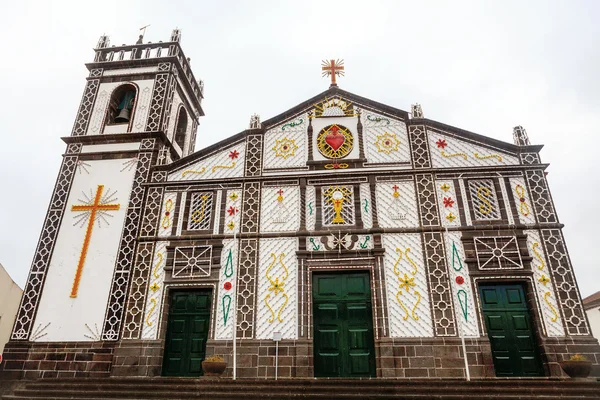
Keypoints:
pixel 371 241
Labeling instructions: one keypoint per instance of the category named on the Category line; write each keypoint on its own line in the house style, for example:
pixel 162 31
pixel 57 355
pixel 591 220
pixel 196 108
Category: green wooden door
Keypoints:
pixel 343 325
pixel 508 323
pixel 187 332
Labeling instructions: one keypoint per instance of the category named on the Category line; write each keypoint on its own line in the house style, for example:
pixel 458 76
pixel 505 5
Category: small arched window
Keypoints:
pixel 181 128
pixel 120 107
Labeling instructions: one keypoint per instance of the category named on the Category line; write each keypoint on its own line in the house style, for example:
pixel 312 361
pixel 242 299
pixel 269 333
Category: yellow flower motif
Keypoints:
pixel 406 282
pixel 276 286
pixel 445 187
pixel 154 287
pixel 451 217
pixel 234 196
pixel 387 143
pixel 231 225
pixel 285 148
pixel 544 280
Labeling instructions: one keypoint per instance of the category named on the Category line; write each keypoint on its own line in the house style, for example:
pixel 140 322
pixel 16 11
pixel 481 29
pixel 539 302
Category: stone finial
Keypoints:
pixel 103 42
pixel 175 35
pixel 255 121
pixel 520 136
pixel 416 111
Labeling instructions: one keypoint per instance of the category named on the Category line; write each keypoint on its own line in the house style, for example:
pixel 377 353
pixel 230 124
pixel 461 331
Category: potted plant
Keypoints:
pixel 577 366
pixel 214 366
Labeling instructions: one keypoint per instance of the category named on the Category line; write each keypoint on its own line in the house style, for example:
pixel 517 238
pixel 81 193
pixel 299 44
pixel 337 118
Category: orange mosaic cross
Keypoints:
pixel 93 209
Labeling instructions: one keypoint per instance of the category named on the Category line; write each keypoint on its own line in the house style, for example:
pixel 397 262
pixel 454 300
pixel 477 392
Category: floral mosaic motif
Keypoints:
pixel 387 143
pixel 544 288
pixel 335 141
pixel 285 148
pixel 277 288
pixel 409 312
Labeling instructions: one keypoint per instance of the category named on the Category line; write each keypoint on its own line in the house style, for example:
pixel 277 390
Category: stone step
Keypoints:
pixel 206 388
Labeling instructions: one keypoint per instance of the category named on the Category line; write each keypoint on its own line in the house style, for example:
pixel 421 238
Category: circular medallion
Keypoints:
pixel 335 141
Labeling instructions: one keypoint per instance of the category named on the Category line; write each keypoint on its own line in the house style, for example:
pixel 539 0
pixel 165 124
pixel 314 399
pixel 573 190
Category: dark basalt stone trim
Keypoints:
pixel 354 231
pixel 346 173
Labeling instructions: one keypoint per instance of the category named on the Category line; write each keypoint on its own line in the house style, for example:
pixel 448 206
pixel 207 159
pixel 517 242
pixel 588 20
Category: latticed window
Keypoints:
pixel 484 199
pixel 192 262
pixel 200 214
pixel 338 205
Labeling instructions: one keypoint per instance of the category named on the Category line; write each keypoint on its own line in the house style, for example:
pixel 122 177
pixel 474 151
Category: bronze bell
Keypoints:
pixel 123 115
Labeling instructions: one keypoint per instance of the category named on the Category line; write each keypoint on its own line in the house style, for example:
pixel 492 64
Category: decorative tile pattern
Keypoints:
pixel 233 212
pixel 397 204
pixel 285 144
pixel 97 118
pixel 247 288
pixel 544 288
pixel 33 288
pixel 419 147
pixel 311 208
pixel 277 288
pixel 407 292
pixel 542 201
pixel 192 262
pixel 564 279
pixel 450 152
pixel 507 207
pixel 158 99
pixel 151 211
pixel 385 139
pixel 251 208
pixel 118 293
pixel 448 203
pixel 522 201
pixel 338 205
pixel 153 306
pixel 484 199
pixel 227 163
pixel 218 202
pixel 462 289
pixel 497 252
pixel 254 155
pixel 201 210
pixel 137 292
pixel 467 211
pixel 167 214
pixel 428 208
pixel 227 290
pixel 530 158
pixel 280 209
pixel 85 108
pixel 366 206
pixel 439 285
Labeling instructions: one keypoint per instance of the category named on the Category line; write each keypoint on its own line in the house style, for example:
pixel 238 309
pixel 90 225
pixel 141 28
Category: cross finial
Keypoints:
pixel 332 68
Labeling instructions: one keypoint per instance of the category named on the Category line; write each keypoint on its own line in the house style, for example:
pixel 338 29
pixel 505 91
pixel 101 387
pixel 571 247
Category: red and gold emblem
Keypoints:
pixel 335 141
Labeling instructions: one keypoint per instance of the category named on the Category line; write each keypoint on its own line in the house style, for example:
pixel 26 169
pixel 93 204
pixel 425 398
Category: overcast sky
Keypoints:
pixel 478 65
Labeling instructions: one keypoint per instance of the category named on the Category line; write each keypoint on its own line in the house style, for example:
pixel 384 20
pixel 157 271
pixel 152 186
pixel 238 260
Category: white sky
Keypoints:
pixel 477 65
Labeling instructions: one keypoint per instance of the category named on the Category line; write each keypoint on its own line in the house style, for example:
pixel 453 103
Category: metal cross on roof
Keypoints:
pixel 332 68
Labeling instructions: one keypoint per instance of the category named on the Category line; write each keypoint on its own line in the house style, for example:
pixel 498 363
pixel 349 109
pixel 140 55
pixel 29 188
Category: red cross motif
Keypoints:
pixel 395 187
pixel 280 192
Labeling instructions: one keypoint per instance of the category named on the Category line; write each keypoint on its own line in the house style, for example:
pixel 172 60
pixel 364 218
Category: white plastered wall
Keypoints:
pixel 62 317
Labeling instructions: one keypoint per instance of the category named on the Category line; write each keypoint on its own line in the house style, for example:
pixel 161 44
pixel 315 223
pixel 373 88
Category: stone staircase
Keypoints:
pixel 207 388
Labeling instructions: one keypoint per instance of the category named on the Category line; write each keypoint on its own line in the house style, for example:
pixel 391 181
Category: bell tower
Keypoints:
pixel 140 108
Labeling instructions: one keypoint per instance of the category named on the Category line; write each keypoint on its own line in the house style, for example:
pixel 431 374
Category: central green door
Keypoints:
pixel 187 332
pixel 508 323
pixel 343 325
